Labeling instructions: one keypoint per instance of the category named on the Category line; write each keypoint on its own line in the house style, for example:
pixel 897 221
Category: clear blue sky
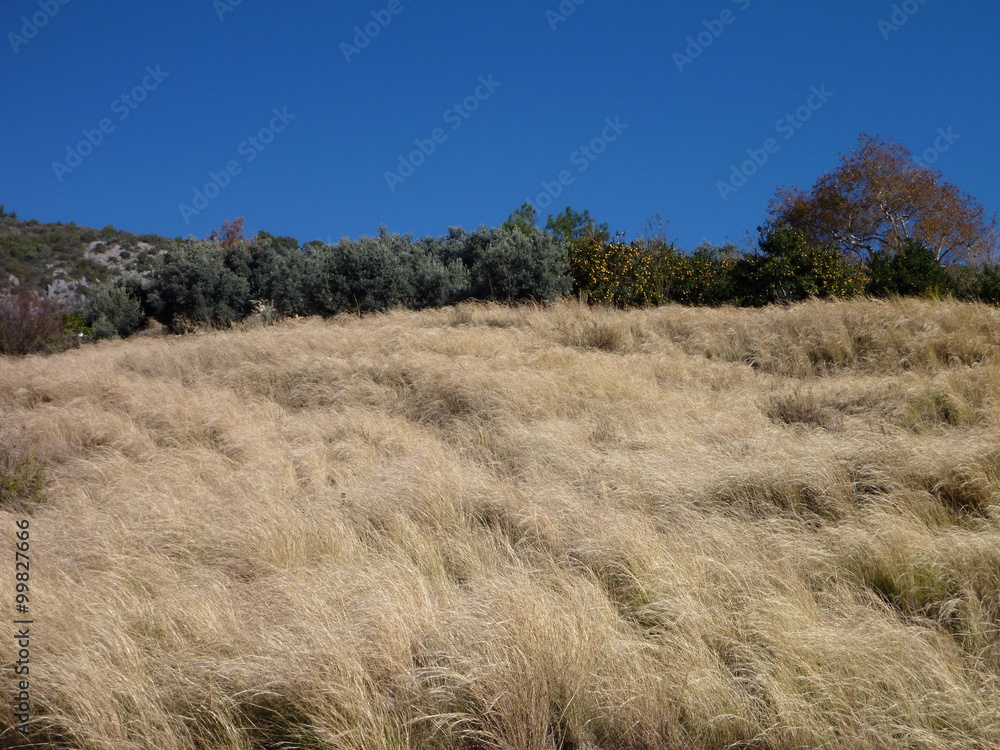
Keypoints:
pixel 555 81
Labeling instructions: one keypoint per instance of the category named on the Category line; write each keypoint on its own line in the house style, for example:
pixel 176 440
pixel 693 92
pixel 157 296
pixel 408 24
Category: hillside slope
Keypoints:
pixel 490 527
pixel 62 259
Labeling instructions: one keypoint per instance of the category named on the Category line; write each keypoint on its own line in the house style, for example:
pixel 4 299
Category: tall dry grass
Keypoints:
pixel 519 528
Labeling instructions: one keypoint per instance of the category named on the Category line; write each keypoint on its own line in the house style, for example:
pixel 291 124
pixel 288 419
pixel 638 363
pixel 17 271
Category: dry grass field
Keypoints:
pixel 517 528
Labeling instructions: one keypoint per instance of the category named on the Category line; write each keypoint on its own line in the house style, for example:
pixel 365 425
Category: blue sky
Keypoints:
pixel 443 113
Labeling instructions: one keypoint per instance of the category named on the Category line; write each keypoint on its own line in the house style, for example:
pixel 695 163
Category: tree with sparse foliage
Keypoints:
pixel 230 233
pixel 572 225
pixel 29 322
pixel 878 198
pixel 523 219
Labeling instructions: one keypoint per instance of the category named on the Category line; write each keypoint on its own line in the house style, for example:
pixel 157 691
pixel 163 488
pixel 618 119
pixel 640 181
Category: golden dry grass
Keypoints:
pixel 520 528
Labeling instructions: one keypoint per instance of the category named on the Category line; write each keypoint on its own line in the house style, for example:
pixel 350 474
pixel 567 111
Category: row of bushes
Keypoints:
pixel 223 280
pixel 221 283
pixel 785 268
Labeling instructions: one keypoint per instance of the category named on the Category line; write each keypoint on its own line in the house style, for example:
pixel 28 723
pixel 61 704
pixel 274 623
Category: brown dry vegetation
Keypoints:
pixel 519 528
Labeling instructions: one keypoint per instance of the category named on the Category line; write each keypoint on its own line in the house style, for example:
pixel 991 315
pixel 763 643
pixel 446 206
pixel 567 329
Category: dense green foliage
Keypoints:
pixel 200 282
pixel 113 311
pixel 912 271
pixel 786 269
pixel 705 277
pixel 377 273
pixel 220 284
pixel 789 269
pixel 509 265
pixel 986 286
pixel 620 274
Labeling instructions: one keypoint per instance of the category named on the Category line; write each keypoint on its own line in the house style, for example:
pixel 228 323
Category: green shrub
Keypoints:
pixel 276 270
pixel 648 272
pixel 102 328
pixel 706 277
pixel 621 274
pixel 74 324
pixel 508 264
pixel 113 312
pixel 912 271
pixel 988 283
pixel 438 277
pixel 789 269
pixel 358 276
pixel 198 283
pixel 980 283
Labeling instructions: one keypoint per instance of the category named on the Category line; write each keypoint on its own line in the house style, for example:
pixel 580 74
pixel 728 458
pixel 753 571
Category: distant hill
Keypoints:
pixel 60 259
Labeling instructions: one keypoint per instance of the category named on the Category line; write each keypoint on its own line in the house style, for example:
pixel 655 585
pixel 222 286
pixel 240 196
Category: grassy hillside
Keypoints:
pixel 519 528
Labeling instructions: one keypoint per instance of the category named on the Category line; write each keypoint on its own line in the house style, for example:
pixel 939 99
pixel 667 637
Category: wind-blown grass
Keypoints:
pixel 519 528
